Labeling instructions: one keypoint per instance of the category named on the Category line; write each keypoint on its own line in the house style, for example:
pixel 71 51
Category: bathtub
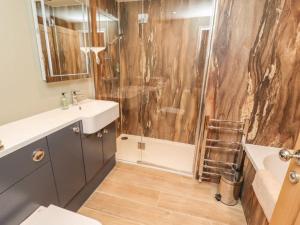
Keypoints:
pixel 270 174
pixel 267 158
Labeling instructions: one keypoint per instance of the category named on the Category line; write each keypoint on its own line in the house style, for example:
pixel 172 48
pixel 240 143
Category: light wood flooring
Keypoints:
pixel 135 195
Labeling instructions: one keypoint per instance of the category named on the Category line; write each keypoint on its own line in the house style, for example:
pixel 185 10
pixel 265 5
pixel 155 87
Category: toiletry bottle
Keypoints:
pixel 64 101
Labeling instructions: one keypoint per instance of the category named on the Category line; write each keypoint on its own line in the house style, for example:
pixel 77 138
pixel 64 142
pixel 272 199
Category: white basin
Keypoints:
pixel 270 174
pixel 96 114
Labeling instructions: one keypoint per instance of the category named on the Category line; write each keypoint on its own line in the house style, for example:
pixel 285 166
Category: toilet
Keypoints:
pixel 54 215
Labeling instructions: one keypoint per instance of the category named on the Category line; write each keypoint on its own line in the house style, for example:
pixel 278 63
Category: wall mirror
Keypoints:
pixel 62 31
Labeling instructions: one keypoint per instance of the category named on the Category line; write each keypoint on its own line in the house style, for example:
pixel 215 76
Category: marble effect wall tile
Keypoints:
pixel 254 69
pixel 162 69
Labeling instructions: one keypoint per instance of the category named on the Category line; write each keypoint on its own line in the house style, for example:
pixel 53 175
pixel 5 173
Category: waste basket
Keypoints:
pixel 229 190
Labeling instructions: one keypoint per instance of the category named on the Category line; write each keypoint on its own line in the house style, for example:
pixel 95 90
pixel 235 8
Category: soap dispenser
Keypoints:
pixel 64 101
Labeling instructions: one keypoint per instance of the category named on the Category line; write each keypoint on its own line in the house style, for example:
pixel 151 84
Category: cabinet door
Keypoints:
pixel 67 161
pixel 21 163
pixel 109 141
pixel 22 199
pixel 92 153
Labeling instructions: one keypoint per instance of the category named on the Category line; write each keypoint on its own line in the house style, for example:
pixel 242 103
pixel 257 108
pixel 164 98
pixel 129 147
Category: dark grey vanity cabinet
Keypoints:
pixel 93 154
pixel 67 162
pixel 98 148
pixel 63 169
pixel 109 141
pixel 19 201
pixel 26 182
pixel 19 164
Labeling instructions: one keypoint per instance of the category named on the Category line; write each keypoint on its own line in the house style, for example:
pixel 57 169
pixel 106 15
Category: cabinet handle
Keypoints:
pixel 99 135
pixel 76 130
pixel 105 131
pixel 38 155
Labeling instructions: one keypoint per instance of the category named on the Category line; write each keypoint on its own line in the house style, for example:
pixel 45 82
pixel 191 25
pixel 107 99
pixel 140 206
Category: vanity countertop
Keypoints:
pixel 18 134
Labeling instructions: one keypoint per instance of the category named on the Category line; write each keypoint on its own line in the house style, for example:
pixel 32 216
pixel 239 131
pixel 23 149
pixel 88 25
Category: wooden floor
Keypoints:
pixel 134 195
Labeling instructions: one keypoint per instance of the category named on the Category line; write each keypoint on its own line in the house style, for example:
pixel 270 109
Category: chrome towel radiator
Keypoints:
pixel 221 149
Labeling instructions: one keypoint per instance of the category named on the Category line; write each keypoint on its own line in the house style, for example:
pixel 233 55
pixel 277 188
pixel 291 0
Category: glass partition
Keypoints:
pixel 163 58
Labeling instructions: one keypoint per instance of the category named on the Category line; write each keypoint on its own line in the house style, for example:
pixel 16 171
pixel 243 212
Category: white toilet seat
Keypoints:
pixel 54 215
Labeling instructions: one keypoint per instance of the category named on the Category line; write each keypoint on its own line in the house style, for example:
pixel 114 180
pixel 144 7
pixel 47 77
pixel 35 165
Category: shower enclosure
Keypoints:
pixel 157 76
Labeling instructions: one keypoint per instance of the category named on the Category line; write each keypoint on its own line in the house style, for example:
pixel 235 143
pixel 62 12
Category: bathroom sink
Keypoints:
pixel 96 114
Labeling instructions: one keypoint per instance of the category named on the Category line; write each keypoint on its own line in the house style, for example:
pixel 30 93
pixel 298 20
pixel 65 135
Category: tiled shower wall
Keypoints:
pixel 255 68
pixel 162 67
pixel 253 71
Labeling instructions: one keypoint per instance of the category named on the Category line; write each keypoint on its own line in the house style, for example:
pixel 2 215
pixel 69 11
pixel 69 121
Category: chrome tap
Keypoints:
pixel 75 97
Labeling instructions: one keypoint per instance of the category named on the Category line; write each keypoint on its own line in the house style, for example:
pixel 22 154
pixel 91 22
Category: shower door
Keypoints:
pixel 131 81
pixel 163 60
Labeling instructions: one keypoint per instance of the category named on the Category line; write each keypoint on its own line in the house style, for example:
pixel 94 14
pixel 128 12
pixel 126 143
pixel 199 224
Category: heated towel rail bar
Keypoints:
pixel 221 148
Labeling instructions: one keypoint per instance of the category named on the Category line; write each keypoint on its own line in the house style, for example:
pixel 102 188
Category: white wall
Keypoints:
pixel 22 90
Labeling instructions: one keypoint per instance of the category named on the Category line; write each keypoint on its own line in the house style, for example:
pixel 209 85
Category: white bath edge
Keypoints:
pixel 257 153
pixel 269 177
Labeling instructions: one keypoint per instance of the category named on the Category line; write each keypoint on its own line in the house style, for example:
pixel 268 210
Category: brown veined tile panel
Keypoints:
pixel 275 76
pixel 106 75
pixel 110 6
pixel 236 27
pixel 247 193
pixel 257 216
pixel 131 53
pixel 254 69
pixel 106 71
pixel 253 211
pixel 162 69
